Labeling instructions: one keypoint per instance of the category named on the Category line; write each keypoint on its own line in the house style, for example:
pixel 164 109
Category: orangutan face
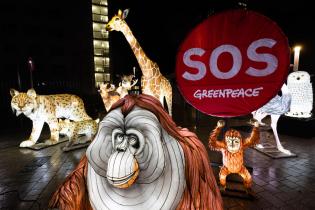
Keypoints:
pixel 233 141
pixel 128 148
pixel 125 144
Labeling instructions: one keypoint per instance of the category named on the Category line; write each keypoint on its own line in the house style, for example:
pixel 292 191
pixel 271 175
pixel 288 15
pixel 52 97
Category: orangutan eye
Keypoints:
pixel 134 142
pixel 120 138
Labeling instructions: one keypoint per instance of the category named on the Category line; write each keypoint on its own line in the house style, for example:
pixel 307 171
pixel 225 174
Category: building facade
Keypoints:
pixel 100 41
pixel 66 42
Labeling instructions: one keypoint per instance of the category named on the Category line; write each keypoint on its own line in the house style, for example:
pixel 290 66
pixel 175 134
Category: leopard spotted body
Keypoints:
pixel 46 109
pixel 73 129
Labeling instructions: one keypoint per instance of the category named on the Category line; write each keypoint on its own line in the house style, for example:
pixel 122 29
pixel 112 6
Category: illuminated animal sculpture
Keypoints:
pixel 232 148
pixel 140 159
pixel 276 107
pixel 300 87
pixel 46 108
pixel 109 95
pixel 126 84
pixel 152 81
pixel 73 129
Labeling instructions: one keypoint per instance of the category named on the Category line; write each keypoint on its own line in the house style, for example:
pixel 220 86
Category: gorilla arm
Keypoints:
pixel 213 139
pixel 72 194
pixel 254 137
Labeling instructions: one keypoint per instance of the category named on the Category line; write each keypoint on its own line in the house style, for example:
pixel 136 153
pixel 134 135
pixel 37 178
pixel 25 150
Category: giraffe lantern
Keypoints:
pixel 152 81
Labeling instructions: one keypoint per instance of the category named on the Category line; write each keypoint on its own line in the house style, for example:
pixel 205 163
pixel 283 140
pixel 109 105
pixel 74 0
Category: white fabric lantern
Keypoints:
pixel 301 90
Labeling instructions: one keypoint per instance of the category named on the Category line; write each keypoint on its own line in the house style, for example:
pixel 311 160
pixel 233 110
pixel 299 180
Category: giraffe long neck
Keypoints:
pixel 146 65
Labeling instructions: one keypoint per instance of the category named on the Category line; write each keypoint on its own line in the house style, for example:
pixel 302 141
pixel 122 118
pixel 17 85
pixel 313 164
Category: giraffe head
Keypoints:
pixel 118 21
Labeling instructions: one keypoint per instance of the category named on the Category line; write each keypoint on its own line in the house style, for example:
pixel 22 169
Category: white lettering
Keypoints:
pixel 256 91
pixel 237 61
pixel 248 92
pixel 227 93
pixel 194 64
pixel 271 60
pixel 201 70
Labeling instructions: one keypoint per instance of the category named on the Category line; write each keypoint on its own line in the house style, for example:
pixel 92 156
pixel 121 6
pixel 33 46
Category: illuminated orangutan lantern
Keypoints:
pixel 140 159
pixel 300 87
pixel 232 148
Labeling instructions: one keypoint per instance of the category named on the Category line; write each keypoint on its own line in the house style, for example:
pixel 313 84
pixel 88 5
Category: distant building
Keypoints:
pixel 100 41
pixel 66 41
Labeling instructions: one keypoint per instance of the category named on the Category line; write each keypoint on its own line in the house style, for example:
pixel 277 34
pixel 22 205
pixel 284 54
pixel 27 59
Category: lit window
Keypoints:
pixel 104 18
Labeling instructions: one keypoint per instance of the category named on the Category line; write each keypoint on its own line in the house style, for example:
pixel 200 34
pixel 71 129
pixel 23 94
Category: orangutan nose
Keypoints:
pixel 123 145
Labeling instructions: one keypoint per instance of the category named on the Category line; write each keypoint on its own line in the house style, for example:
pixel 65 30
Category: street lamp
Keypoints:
pixel 31 69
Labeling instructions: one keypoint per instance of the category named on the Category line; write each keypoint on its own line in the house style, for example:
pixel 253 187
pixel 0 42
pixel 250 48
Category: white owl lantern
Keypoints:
pixel 300 87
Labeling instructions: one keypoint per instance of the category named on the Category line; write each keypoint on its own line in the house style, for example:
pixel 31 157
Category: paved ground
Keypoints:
pixel 28 178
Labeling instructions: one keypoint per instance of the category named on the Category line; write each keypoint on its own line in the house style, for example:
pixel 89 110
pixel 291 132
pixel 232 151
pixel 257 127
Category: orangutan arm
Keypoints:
pixel 72 194
pixel 201 192
pixel 254 137
pixel 213 138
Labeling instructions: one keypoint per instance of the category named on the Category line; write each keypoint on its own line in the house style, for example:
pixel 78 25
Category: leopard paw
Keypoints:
pixel 27 143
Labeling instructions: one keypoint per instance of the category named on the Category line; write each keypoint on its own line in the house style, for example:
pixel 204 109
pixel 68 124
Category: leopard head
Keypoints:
pixel 23 103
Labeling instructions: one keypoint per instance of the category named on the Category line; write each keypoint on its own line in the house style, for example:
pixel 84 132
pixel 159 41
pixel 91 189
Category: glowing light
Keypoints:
pixel 296 58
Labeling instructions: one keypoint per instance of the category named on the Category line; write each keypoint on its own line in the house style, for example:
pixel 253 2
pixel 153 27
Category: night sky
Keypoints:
pixel 160 27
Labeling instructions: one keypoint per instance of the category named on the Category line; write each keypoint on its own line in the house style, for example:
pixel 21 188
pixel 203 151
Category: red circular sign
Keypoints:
pixel 232 63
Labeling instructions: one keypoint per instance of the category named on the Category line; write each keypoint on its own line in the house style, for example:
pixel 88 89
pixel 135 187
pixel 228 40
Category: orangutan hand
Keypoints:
pixel 220 123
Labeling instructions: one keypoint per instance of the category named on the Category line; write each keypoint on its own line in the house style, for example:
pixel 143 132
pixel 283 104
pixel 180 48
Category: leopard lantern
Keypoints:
pixel 46 109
